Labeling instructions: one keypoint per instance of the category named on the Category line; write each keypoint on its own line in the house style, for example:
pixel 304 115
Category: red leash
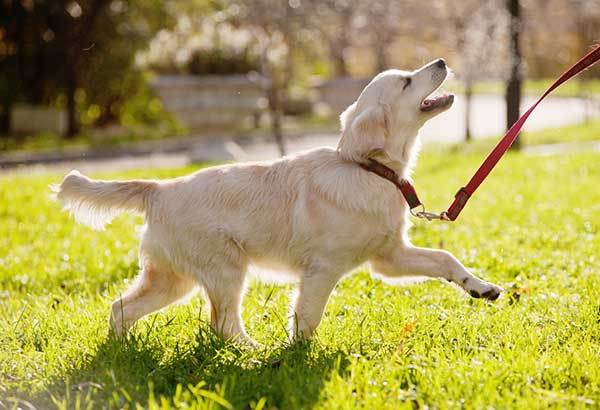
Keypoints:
pixel 464 193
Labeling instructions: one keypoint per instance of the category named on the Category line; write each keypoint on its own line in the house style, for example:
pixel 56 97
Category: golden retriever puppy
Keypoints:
pixel 316 215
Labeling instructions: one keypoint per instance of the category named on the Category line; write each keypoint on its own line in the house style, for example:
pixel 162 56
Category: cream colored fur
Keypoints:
pixel 316 215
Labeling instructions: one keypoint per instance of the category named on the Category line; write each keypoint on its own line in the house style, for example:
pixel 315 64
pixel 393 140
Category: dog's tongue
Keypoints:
pixel 427 103
pixel 430 103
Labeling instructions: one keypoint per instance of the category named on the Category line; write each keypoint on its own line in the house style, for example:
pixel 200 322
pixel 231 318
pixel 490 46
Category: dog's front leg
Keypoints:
pixel 310 301
pixel 408 260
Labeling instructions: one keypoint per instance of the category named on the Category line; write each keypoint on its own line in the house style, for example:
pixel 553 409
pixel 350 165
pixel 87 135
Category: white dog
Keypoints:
pixel 316 215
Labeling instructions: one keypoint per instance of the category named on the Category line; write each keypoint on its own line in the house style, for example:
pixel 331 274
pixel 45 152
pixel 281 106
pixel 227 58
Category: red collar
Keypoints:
pixel 404 186
pixel 408 191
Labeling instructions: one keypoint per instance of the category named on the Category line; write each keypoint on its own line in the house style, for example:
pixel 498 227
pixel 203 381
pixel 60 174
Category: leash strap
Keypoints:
pixel 464 193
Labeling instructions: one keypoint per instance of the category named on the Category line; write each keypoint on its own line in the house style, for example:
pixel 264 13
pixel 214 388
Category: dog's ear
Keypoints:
pixel 363 135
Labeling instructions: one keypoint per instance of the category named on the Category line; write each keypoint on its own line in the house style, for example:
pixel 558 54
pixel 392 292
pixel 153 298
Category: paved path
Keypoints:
pixel 488 118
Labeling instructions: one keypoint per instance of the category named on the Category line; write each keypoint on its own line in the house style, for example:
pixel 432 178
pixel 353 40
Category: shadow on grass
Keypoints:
pixel 137 368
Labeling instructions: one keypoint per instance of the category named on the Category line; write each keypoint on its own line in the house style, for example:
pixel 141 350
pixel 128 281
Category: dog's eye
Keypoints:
pixel 407 82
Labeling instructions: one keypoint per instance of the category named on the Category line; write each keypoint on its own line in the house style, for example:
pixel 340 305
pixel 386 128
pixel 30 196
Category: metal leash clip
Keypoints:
pixel 430 216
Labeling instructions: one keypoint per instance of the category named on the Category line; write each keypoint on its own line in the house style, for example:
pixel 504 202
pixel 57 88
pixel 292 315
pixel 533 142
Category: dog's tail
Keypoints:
pixel 96 203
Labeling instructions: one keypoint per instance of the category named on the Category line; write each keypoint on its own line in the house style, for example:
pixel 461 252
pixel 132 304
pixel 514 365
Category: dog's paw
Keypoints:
pixel 245 342
pixel 252 345
pixel 488 291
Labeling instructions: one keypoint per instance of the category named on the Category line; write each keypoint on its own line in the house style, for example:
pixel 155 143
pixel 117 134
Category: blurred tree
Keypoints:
pixel 513 85
pixel 460 16
pixel 237 37
pixel 278 29
pixel 57 48
pixel 75 30
pixel 333 19
pixel 79 54
pixel 108 74
pixel 271 23
pixel 475 27
pixel 586 21
pixel 384 23
pixel 567 27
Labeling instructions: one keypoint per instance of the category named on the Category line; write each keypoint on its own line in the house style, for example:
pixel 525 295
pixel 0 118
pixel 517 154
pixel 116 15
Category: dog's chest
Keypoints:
pixel 323 224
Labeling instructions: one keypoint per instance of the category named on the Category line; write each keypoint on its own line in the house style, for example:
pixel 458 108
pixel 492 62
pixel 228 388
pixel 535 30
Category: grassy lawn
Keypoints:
pixel 576 133
pixel 573 88
pixel 533 228
pixel 577 136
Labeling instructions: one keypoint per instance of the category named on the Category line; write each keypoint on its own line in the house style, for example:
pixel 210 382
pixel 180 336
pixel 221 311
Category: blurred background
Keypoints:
pixel 195 80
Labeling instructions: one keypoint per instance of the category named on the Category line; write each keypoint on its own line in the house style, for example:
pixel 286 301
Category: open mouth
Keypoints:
pixel 440 101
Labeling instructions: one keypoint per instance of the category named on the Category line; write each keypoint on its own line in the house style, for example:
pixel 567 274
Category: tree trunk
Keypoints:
pixel 275 114
pixel 336 50
pixel 5 119
pixel 70 89
pixel 513 86
pixel 272 90
pixel 380 53
pixel 82 34
pixel 38 77
pixel 468 95
pixel 337 46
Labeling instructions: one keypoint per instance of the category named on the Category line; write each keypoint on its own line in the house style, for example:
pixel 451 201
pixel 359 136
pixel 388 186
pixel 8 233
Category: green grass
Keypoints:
pixel 91 139
pixel 533 228
pixel 573 88
pixel 577 133
pixel 87 139
pixel 577 136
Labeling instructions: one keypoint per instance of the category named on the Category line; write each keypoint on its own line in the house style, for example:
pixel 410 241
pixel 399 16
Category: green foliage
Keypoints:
pixel 204 42
pixel 111 79
pixel 142 118
pixel 84 48
pixel 143 113
pixel 217 62
pixel 533 228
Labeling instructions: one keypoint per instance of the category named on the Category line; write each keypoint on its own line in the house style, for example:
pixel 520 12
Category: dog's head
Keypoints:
pixel 386 117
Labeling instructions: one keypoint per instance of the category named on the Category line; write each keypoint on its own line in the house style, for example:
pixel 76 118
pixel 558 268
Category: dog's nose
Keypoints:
pixel 440 63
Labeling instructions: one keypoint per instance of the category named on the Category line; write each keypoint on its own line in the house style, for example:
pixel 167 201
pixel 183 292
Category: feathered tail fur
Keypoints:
pixel 96 203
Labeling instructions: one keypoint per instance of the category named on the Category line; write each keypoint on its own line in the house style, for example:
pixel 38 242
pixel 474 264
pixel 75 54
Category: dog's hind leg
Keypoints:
pixel 153 290
pixel 225 290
